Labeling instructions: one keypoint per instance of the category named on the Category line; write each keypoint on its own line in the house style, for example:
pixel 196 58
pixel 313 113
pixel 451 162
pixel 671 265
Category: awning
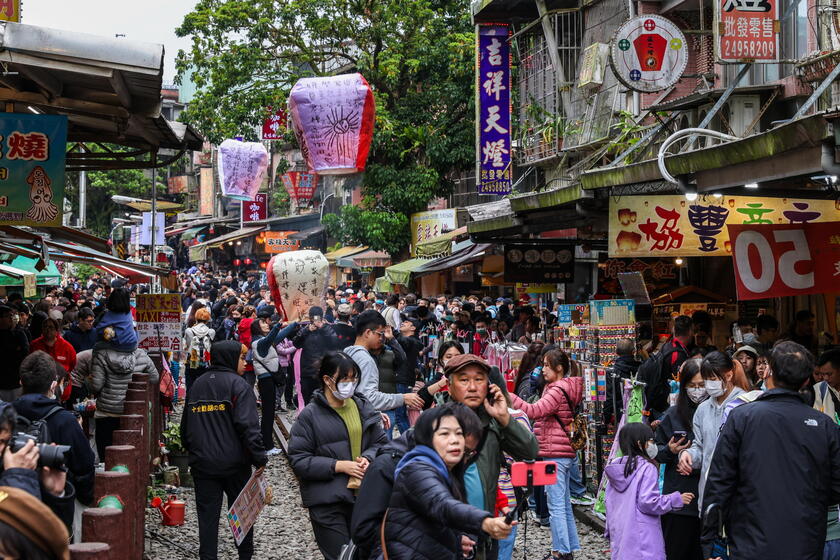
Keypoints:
pixel 367 259
pixel 22 266
pixel 458 258
pixel 307 233
pixel 146 205
pixel 382 286
pixel 439 246
pixel 400 273
pixel 232 236
pixel 136 272
pixel 192 233
pixel 333 256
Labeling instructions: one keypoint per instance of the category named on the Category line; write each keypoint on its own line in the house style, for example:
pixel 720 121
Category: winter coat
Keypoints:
pixel 125 337
pixel 425 520
pixel 346 335
pixel 369 381
pixel 674 481
pixel 285 350
pixel 64 430
pixel 79 339
pixel 411 345
pixel 243 330
pixel 264 356
pixel 220 428
pixel 14 346
pixel 198 331
pixel 111 371
pixel 319 439
pixel 549 411
pixel 634 506
pixel 707 422
pixel 62 351
pixel 314 344
pixel 27 480
pixel 388 361
pixel 775 472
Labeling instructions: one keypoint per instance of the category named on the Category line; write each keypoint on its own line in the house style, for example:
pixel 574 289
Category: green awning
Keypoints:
pixel 400 273
pixel 192 233
pixel 382 286
pixel 50 276
pixel 440 246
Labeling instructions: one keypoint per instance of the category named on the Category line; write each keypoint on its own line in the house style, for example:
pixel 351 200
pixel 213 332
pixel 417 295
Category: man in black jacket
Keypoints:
pixel 624 367
pixel 316 339
pixel 671 357
pixel 14 347
pixel 81 335
pixel 221 431
pixel 776 469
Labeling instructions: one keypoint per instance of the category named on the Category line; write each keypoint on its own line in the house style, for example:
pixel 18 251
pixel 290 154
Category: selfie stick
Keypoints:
pixel 522 503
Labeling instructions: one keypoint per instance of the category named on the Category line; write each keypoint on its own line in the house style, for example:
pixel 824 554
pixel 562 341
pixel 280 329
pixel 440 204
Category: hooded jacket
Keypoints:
pixel 425 520
pixel 125 337
pixel 634 506
pixel 79 339
pixel 319 439
pixel 198 330
pixel 548 413
pixel 672 480
pixel 220 428
pixel 112 370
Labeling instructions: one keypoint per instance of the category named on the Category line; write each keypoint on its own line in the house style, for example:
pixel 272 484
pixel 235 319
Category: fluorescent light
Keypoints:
pixel 751 186
pixel 691 196
pixel 33 109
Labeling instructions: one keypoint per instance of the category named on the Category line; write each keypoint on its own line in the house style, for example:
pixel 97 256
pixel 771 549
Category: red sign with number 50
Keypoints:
pixel 785 260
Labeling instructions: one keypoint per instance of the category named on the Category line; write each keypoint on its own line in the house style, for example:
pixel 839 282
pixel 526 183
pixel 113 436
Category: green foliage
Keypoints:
pixel 84 271
pixel 417 56
pixel 172 438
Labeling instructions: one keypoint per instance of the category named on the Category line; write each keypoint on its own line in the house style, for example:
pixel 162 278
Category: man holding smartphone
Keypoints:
pixel 315 339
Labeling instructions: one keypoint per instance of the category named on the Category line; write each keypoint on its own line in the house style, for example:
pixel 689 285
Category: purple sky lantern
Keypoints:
pixel 242 167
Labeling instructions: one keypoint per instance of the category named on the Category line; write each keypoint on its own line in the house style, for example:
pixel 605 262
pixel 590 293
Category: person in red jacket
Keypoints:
pixel 249 315
pixel 552 415
pixel 53 344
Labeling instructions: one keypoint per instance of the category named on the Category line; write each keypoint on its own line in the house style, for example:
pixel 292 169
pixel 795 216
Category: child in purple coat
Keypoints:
pixel 634 503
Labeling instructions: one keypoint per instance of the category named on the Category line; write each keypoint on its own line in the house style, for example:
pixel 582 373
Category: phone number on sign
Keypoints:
pixel 745 48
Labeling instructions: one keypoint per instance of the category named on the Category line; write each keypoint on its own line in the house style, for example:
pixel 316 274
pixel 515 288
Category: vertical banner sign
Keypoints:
pixel 159 321
pixel 747 30
pixel 274 124
pixel 32 169
pixel 10 10
pixel 255 210
pixel 146 229
pixel 785 260
pixel 493 109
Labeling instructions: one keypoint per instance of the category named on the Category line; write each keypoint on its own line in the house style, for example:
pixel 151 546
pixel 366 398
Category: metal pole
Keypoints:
pixel 82 196
pixel 152 256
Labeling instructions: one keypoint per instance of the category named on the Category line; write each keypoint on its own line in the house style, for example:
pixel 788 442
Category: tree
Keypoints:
pixel 418 57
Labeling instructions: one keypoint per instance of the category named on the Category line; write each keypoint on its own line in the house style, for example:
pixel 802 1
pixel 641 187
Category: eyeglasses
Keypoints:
pixel 380 333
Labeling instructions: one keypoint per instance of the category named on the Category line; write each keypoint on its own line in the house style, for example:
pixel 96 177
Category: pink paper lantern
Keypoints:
pixel 333 120
pixel 242 167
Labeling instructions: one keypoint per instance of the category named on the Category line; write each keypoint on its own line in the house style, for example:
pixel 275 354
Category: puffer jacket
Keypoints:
pixel 553 437
pixel 111 371
pixel 425 520
pixel 319 439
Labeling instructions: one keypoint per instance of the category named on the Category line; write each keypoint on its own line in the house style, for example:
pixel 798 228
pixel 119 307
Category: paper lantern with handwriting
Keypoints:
pixel 333 120
pixel 242 167
pixel 297 280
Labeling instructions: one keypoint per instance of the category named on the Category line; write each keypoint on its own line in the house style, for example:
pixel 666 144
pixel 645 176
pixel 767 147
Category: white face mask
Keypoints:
pixel 697 394
pixel 651 450
pixel 714 387
pixel 345 390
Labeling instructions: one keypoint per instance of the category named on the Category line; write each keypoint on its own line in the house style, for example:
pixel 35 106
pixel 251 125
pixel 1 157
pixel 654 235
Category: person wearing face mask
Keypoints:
pixel 724 383
pixel 633 500
pixel 332 443
pixel 448 350
pixel 681 528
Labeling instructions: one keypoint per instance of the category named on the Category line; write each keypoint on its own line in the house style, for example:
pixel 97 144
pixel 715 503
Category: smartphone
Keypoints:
pixel 543 473
pixel 679 434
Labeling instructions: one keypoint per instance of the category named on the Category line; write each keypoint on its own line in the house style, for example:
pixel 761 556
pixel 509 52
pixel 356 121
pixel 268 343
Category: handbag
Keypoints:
pixel 382 536
pixel 579 433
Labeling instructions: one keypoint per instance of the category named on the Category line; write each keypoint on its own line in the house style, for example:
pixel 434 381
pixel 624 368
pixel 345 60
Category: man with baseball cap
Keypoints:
pixel 482 388
pixel 344 330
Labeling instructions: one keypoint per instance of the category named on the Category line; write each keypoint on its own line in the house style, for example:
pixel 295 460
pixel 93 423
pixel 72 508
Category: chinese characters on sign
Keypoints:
pixel 747 30
pixel 649 53
pixel 255 210
pixel 274 124
pixel 247 507
pixel 279 242
pixel 658 274
pixel 159 321
pixel 493 96
pixel 430 224
pixel 671 226
pixel 32 151
pixel 300 186
pixel 547 264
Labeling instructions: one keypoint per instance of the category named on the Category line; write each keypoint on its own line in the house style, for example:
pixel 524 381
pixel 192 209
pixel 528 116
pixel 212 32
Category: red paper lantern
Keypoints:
pixel 236 262
pixel 248 261
pixel 263 264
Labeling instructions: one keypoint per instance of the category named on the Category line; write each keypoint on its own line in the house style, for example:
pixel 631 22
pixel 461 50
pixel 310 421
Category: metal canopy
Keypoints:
pixel 108 88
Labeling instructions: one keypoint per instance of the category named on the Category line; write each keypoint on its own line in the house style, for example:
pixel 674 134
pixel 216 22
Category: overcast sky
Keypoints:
pixel 140 20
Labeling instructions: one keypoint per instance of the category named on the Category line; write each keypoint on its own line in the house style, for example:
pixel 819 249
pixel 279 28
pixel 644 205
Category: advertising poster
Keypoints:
pixel 430 224
pixel 671 226
pixel 255 210
pixel 159 321
pixel 747 30
pixel 493 123
pixel 32 154
pixel 247 507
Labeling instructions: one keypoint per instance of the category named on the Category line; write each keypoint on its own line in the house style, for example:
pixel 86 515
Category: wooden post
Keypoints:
pixel 90 551
pixel 122 485
pixel 105 525
pixel 129 456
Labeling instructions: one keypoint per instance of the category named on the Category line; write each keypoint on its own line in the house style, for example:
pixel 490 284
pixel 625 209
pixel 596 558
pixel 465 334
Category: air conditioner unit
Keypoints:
pixel 743 110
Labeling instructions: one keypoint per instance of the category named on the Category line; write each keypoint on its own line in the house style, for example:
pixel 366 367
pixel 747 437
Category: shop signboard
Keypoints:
pixel 255 210
pixel 747 30
pixel 540 263
pixel 159 322
pixel 612 312
pixel 32 149
pixel 300 186
pixel 205 192
pixel 430 224
pixel 10 10
pixel 146 229
pixel 659 274
pixel 523 288
pixel 785 260
pixel 569 313
pixel 274 125
pixel 649 53
pixel 279 242
pixel 493 123
pixel 671 226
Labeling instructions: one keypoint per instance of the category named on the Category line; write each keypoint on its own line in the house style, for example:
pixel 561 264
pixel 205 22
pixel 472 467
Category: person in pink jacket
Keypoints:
pixel 285 350
pixel 552 414
pixel 633 501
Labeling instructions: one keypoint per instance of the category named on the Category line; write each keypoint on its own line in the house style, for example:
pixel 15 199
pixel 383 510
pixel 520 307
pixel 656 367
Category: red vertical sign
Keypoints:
pixel 274 125
pixel 254 210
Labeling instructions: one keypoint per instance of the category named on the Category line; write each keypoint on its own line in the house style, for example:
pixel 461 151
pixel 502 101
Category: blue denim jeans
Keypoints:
pixel 564 537
pixel 576 480
pixel 402 414
pixel 831 550
pixel 392 414
pixel 506 545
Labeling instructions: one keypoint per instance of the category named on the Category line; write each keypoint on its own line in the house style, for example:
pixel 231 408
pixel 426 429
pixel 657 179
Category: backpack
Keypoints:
pixel 37 428
pixel 199 351
pixel 650 373
pixel 578 430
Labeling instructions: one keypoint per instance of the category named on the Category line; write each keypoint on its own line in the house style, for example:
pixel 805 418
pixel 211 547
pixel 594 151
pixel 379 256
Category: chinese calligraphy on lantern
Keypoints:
pixel 671 226
pixel 748 30
pixel 493 98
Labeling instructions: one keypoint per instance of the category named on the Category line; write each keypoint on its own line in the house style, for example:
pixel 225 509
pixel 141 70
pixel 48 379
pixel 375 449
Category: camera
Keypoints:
pixel 51 456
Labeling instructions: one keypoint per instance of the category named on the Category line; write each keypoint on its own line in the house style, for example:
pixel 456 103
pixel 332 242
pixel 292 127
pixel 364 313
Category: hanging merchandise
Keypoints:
pixel 298 281
pixel 333 120
pixel 242 167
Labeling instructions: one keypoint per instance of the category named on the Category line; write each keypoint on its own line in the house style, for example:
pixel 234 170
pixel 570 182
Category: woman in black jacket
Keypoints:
pixel 332 443
pixel 681 528
pixel 427 517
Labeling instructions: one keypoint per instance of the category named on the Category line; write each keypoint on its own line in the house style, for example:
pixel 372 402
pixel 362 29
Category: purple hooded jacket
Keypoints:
pixel 634 505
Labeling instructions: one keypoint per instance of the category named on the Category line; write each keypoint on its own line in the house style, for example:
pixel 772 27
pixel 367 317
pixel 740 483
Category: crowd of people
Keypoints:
pixel 405 436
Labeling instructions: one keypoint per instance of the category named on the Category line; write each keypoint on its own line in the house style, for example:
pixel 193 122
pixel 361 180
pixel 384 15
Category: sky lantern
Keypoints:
pixel 297 280
pixel 333 120
pixel 242 167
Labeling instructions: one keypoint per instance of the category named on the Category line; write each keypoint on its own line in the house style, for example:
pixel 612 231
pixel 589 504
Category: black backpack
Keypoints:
pixel 650 373
pixel 37 428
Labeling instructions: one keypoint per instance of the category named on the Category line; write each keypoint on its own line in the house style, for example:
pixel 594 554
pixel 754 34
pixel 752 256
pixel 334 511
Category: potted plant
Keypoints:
pixel 178 456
